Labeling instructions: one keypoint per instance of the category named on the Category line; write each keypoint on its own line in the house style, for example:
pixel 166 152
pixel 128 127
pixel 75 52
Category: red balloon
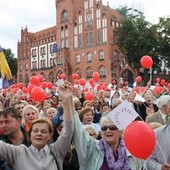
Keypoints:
pixel 168 85
pixel 158 80
pixel 35 80
pixel 138 79
pixel 82 81
pixel 49 85
pixel 40 77
pixel 62 76
pixel 126 83
pixel 44 84
pixel 38 94
pixel 24 90
pixel 75 76
pixel 91 81
pixel 89 96
pixel 163 82
pixel 146 62
pixel 96 76
pixel 158 90
pixel 140 139
pixel 76 81
pixel 20 85
pixel 30 87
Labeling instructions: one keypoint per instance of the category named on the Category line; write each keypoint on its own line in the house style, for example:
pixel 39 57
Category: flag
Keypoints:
pixel 123 115
pixel 4 67
pixel 5 72
pixel 55 47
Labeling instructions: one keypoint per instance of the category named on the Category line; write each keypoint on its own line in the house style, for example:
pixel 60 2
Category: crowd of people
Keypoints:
pixel 67 131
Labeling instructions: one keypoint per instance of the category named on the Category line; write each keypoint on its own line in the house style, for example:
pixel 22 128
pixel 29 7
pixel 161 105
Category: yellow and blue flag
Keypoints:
pixel 5 72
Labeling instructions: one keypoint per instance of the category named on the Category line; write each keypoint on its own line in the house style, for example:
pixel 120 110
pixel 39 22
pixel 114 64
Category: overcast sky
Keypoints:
pixel 40 14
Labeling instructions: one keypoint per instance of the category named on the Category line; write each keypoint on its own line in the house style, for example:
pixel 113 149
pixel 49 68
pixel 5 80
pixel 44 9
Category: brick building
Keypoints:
pixel 85 42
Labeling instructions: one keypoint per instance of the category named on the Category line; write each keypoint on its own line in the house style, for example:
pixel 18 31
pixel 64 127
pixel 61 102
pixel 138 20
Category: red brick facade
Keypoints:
pixel 84 36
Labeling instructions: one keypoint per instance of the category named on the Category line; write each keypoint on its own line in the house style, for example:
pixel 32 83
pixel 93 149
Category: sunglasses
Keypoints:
pixel 19 108
pixel 78 109
pixel 111 127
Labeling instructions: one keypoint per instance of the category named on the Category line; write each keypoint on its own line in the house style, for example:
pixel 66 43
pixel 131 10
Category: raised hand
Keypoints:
pixel 65 93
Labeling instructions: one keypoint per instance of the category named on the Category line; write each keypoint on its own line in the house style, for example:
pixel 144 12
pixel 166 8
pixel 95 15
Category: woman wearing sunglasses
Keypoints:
pixel 109 153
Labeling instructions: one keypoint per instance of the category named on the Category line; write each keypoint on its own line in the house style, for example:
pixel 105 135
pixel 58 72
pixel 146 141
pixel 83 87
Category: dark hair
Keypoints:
pixel 41 120
pixel 11 111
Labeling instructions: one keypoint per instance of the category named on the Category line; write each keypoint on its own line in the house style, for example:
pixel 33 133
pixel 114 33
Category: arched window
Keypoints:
pixel 59 60
pixel 77 59
pixel 20 67
pixel 115 55
pixel 89 57
pixel 102 71
pixel 26 79
pixel 20 78
pixel 101 55
pixel 89 72
pixel 78 71
pixel 26 66
pixel 51 48
pixel 33 53
pixel 51 62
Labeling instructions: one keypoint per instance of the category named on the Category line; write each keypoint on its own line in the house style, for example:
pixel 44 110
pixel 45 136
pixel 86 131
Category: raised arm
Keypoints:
pixel 64 140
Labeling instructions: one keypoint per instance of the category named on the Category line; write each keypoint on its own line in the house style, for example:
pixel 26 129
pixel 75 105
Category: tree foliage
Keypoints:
pixel 137 37
pixel 12 62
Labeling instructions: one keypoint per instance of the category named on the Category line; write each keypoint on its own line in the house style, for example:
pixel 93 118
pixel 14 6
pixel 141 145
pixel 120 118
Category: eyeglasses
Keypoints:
pixel 78 108
pixel 19 108
pixel 111 127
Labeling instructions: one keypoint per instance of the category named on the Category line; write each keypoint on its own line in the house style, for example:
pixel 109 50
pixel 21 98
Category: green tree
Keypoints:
pixel 12 62
pixel 163 37
pixel 136 37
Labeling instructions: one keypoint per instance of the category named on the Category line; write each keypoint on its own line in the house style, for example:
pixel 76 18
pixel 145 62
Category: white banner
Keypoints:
pixel 123 115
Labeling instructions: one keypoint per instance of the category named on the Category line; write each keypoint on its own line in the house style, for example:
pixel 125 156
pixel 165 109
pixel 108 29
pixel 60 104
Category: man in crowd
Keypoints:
pixel 160 159
pixel 162 115
pixel 12 133
pixel 19 105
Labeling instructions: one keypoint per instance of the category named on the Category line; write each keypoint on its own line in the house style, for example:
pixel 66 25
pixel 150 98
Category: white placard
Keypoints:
pixel 123 115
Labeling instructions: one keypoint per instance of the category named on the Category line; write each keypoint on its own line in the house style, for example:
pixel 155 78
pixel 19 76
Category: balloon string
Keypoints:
pixel 158 145
pixel 150 74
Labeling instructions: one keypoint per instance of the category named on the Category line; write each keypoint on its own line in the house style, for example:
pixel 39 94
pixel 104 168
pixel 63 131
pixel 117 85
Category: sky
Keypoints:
pixel 40 14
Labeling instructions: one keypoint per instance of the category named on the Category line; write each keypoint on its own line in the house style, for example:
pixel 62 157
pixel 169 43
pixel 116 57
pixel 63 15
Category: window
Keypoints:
pixel 78 59
pixel 51 62
pixel 26 66
pixel 89 72
pixel 80 41
pixel 102 71
pixel 51 48
pixel 20 67
pixel 59 60
pixel 98 36
pixel 115 55
pixel 78 71
pixel 101 55
pixel 89 57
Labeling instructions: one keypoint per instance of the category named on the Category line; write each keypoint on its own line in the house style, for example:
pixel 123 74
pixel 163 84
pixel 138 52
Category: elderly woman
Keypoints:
pixel 29 114
pixel 40 155
pixel 108 153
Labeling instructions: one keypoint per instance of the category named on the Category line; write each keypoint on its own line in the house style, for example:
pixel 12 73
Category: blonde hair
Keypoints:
pixel 27 108
pixel 51 109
